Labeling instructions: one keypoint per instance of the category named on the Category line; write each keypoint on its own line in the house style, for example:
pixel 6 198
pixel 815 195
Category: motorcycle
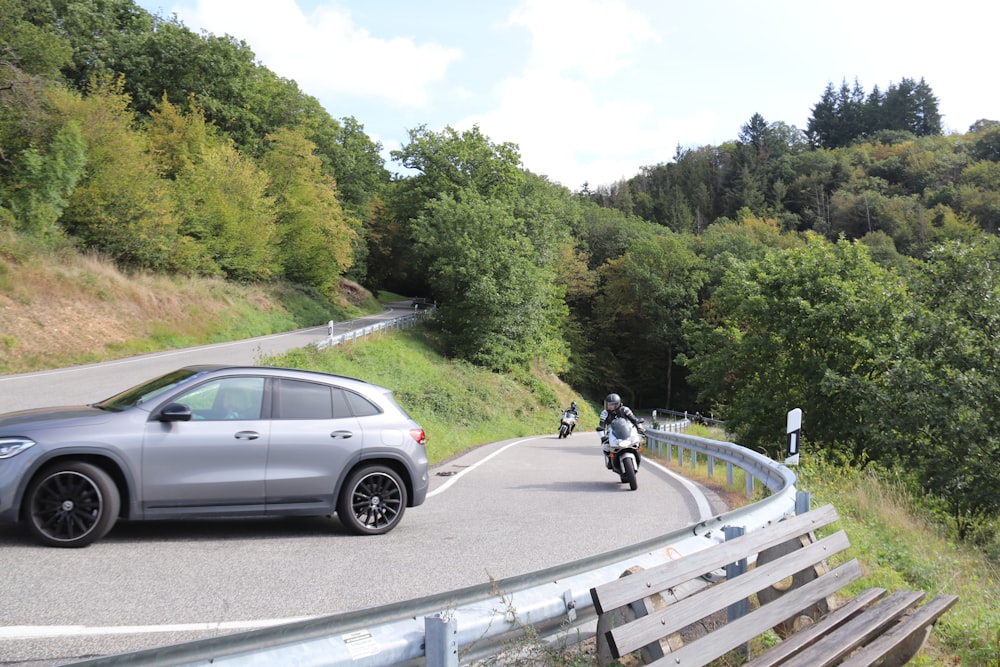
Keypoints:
pixel 622 443
pixel 567 423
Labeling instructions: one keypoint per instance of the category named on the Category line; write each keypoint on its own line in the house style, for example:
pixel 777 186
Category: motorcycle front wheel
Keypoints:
pixel 562 431
pixel 629 475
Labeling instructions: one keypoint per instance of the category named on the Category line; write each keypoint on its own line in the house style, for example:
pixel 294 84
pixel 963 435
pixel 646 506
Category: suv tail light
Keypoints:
pixel 418 435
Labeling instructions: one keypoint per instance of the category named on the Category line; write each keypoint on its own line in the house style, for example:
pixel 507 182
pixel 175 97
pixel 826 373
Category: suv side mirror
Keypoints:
pixel 175 412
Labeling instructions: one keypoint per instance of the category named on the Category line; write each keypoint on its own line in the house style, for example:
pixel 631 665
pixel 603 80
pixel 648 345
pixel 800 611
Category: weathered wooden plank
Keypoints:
pixel 857 632
pixel 620 592
pixel 813 633
pixel 738 632
pixel 904 640
pixel 644 630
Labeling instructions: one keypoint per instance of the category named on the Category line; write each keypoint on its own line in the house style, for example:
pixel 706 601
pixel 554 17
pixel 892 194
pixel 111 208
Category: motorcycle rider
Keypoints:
pixel 576 413
pixel 613 409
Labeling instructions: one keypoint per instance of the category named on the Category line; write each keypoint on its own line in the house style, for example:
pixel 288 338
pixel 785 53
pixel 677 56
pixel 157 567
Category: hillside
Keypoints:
pixel 64 309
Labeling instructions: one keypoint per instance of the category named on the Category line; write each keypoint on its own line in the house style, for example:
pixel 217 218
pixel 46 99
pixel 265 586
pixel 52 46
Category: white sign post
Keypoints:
pixel 794 430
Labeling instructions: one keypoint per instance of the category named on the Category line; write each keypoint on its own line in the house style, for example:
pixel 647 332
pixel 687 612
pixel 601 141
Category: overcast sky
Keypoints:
pixel 593 90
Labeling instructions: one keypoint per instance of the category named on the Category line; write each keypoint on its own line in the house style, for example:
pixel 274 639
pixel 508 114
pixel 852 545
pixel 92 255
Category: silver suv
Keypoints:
pixel 214 441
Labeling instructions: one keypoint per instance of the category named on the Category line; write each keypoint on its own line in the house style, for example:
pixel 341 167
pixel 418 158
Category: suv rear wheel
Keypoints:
pixel 372 501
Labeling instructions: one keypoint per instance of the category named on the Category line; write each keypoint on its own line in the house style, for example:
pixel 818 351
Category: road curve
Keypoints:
pixel 496 511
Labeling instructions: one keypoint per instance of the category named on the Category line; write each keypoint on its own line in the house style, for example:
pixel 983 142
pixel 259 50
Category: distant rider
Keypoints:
pixel 613 409
pixel 576 415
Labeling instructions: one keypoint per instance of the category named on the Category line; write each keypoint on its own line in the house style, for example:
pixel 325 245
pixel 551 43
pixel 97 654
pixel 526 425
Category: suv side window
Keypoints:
pixel 226 398
pixel 303 400
pixel 361 406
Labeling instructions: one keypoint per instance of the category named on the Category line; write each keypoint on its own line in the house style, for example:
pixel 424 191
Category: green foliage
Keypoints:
pixel 486 238
pixel 800 328
pixel 120 207
pixel 942 416
pixel 500 308
pixel 29 42
pixel 845 115
pixel 451 161
pixel 41 183
pixel 979 193
pixel 644 297
pixel 315 235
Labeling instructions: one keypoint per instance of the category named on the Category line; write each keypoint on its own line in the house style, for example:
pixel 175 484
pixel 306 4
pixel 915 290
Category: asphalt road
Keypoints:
pixel 497 511
pixel 501 510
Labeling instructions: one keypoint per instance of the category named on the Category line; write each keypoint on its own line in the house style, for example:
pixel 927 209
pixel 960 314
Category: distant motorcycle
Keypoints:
pixel 622 442
pixel 567 423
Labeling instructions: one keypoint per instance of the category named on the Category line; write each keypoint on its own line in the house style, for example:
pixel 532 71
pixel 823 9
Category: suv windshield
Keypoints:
pixel 146 391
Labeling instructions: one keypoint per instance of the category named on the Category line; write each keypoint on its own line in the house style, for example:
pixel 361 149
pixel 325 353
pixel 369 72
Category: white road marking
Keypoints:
pixel 461 474
pixel 53 631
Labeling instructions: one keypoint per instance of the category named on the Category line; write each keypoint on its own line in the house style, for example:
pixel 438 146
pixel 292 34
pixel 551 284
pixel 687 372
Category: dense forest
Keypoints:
pixel 849 269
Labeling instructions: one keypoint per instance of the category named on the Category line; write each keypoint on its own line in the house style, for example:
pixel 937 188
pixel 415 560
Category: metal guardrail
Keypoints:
pixel 353 335
pixel 473 623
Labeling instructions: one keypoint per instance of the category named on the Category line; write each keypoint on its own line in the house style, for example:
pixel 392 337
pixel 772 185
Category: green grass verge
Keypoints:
pixel 902 547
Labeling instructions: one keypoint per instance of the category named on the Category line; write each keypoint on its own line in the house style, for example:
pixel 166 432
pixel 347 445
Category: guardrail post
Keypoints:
pixel 749 484
pixel 441 641
pixel 802 502
pixel 729 474
pixel 741 608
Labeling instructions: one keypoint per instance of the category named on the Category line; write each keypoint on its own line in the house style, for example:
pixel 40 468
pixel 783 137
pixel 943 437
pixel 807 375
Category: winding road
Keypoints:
pixel 497 511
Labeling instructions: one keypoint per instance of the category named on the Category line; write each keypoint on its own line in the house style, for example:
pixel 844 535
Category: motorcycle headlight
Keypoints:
pixel 13 446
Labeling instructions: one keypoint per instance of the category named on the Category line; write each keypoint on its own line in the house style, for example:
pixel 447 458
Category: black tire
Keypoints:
pixel 563 431
pixel 629 475
pixel 372 501
pixel 71 504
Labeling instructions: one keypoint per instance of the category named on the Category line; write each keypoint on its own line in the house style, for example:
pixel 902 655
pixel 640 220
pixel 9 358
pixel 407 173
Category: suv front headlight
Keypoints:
pixel 13 446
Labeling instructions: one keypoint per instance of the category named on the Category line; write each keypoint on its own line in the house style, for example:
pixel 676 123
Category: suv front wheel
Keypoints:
pixel 71 504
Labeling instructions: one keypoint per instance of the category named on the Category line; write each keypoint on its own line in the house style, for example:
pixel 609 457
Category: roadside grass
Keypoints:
pixel 900 545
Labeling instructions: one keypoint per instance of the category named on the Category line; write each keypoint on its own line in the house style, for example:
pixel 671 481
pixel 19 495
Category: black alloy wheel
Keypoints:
pixel 372 501
pixel 71 504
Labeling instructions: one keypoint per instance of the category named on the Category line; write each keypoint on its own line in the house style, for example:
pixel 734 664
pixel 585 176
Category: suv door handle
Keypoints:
pixel 247 435
pixel 342 434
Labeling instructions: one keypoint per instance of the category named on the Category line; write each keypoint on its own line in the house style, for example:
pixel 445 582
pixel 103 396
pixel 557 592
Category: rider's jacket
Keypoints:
pixel 621 411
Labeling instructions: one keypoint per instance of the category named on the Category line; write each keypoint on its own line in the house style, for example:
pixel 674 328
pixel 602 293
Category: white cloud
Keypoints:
pixel 588 37
pixel 325 52
pixel 558 111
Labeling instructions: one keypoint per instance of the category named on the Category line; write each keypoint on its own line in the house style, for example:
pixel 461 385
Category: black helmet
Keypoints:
pixel 573 405
pixel 612 402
